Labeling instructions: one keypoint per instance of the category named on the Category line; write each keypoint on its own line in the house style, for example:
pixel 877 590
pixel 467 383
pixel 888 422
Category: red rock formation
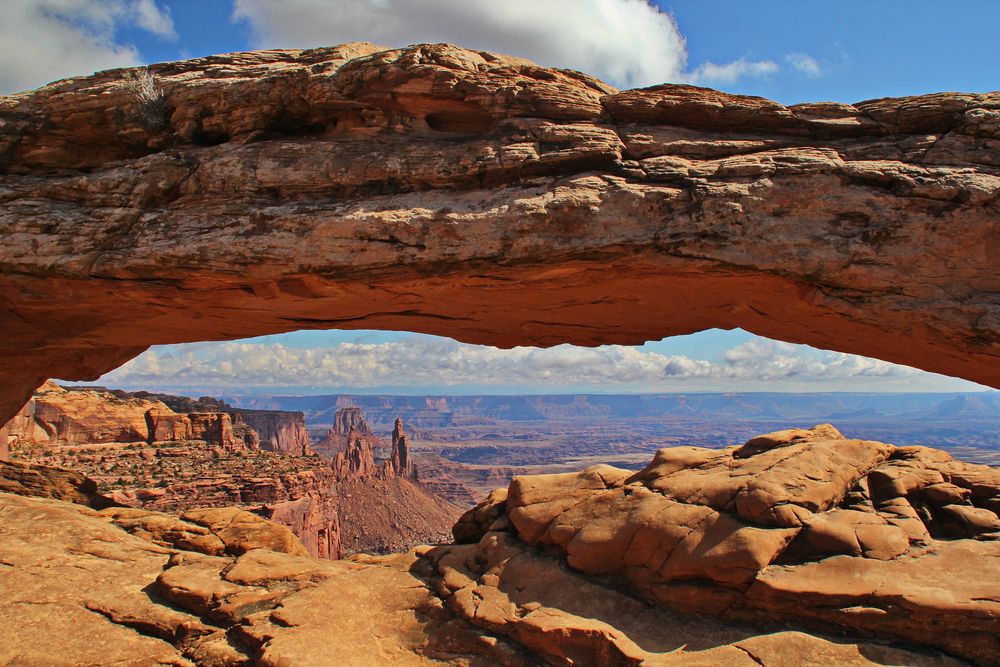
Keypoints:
pixel 345 421
pixel 57 416
pixel 350 418
pixel 839 534
pixel 491 200
pixel 168 468
pixel 279 431
pixel 244 433
pixel 167 426
pixel 399 464
pixel 226 588
pixel 214 427
pixel 357 461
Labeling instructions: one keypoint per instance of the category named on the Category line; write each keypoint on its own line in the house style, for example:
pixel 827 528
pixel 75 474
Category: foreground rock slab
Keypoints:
pixel 838 534
pixel 733 557
pixel 483 197
pixel 77 590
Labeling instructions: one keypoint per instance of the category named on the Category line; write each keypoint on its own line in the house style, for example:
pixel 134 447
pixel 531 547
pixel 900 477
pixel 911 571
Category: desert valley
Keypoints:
pixel 479 196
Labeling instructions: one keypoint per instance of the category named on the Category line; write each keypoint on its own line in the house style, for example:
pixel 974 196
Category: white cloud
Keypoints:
pixel 629 43
pixel 45 40
pixel 805 64
pixel 712 73
pixel 150 17
pixel 427 361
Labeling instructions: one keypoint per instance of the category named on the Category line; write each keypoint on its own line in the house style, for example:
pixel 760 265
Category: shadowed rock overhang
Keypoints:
pixel 485 198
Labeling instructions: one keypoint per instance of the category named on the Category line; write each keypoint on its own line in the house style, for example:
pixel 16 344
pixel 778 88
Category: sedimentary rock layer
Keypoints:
pixel 482 197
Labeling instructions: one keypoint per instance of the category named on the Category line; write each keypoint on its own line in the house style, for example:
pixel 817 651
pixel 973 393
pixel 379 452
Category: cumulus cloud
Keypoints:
pixel 805 64
pixel 629 43
pixel 45 40
pixel 711 73
pixel 426 361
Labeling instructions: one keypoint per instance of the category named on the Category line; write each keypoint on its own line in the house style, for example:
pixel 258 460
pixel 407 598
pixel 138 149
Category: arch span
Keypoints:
pixel 485 198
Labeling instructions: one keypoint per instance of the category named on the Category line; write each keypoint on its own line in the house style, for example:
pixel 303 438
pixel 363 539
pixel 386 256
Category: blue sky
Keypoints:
pixel 790 51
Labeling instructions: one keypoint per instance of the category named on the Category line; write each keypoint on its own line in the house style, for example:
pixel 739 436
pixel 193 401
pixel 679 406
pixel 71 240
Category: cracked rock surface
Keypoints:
pixel 463 193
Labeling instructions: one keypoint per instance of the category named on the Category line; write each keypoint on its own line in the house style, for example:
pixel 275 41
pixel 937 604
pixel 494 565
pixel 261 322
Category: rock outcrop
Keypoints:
pixel 482 197
pixel 56 416
pixel 806 525
pixel 356 460
pixel 346 421
pixel 279 431
pixel 41 481
pixel 399 464
pixel 133 587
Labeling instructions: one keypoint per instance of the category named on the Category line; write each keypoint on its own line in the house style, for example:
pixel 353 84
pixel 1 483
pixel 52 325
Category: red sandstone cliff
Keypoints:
pixel 279 431
pixel 60 416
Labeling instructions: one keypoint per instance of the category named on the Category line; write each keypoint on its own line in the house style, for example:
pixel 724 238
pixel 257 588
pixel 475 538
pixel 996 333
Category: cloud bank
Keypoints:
pixel 422 361
pixel 45 40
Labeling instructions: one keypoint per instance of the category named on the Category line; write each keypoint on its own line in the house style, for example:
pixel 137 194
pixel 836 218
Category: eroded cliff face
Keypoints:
pixel 279 431
pixel 56 416
pixel 482 197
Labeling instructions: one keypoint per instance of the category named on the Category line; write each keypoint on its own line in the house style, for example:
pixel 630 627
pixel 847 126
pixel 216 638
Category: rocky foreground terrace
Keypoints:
pixel 482 197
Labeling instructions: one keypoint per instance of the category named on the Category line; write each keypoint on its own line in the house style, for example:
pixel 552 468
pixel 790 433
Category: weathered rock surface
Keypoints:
pixel 42 481
pixel 79 590
pixel 279 431
pixel 56 416
pixel 482 197
pixel 842 535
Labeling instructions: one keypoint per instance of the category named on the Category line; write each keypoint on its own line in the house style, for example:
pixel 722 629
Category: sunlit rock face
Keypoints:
pixel 807 526
pixel 855 552
pixel 482 197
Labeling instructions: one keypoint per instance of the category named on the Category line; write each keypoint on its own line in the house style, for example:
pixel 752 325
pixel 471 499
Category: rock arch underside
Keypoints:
pixel 485 198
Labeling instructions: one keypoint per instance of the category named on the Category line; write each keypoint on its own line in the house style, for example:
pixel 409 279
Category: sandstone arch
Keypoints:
pixel 485 198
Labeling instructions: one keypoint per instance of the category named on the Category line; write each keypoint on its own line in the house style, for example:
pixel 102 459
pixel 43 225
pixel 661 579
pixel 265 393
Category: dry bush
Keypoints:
pixel 149 99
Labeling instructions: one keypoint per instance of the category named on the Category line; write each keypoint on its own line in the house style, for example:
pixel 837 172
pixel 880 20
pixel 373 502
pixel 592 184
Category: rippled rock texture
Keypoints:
pixel 482 197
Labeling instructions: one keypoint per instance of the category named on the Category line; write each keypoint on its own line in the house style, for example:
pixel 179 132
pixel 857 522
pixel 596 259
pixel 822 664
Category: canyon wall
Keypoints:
pixel 58 416
pixel 145 455
pixel 485 198
pixel 279 431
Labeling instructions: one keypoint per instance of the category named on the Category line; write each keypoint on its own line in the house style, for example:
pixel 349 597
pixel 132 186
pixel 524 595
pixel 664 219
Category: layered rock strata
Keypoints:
pixel 483 197
pixel 838 534
pixel 346 421
pixel 56 416
pixel 279 431
pixel 352 504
